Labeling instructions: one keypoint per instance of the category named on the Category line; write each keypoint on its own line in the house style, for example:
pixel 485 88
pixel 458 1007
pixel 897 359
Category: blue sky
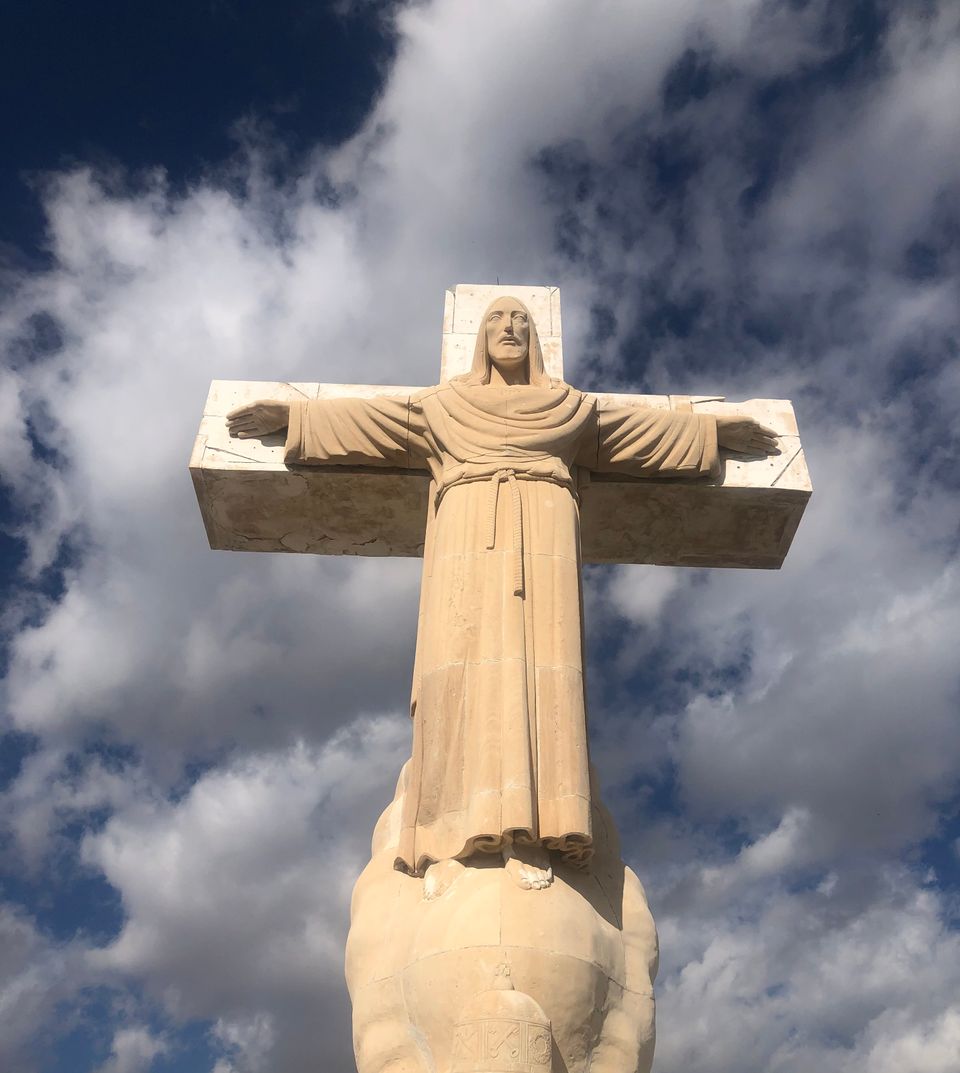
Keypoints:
pixel 748 197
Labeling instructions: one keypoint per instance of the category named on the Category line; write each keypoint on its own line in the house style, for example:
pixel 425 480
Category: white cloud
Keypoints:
pixel 811 978
pixel 236 897
pixel 35 975
pixel 866 161
pixel 133 1051
pixel 898 1041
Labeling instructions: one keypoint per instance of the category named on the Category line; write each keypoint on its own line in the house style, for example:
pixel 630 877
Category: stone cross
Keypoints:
pixel 251 501
pixel 546 964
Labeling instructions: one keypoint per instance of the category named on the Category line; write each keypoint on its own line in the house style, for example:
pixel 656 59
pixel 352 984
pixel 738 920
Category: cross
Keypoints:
pixel 504 481
pixel 251 501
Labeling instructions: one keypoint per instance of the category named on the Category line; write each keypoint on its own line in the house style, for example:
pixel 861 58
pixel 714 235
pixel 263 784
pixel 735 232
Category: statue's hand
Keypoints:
pixel 747 436
pixel 258 418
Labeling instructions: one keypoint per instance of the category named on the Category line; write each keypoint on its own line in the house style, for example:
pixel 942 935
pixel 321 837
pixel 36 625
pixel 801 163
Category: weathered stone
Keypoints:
pixel 496 928
pixel 251 501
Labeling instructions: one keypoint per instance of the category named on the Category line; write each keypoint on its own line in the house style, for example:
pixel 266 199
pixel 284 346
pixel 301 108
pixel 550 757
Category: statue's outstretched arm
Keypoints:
pixel 341 431
pixel 642 441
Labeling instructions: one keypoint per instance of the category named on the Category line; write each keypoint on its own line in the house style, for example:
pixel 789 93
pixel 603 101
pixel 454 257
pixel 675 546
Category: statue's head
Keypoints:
pixel 507 338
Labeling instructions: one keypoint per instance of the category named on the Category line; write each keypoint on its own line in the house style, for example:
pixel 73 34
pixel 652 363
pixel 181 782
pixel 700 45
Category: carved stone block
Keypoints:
pixel 251 501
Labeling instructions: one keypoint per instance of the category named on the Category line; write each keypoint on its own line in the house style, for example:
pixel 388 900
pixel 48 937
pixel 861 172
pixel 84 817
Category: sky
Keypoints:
pixel 755 198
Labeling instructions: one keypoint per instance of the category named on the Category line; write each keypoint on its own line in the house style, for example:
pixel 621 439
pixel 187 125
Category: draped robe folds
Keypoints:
pixel 499 732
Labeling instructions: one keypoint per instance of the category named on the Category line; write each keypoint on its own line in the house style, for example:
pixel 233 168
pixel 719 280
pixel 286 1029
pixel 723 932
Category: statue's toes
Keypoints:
pixel 526 880
pixel 537 880
pixel 440 877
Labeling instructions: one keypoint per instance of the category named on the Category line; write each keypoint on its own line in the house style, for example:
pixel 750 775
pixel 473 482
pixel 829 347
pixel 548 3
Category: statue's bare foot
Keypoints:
pixel 440 876
pixel 528 865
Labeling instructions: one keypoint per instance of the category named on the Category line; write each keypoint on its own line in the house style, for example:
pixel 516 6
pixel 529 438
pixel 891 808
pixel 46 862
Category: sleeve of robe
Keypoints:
pixel 357 432
pixel 644 442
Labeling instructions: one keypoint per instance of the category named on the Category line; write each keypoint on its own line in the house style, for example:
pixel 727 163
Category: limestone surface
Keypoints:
pixel 496 928
pixel 251 499
pixel 424 955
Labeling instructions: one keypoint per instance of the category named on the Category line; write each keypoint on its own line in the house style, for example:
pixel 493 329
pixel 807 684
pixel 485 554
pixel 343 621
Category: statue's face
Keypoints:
pixel 508 335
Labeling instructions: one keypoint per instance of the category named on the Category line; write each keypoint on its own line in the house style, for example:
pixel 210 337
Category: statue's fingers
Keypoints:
pixel 764 447
pixel 761 433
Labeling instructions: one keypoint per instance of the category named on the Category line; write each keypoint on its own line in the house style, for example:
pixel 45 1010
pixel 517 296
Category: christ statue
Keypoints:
pixel 500 759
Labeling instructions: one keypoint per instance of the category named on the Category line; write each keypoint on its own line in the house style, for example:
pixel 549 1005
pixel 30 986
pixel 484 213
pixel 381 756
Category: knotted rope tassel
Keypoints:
pixel 496 480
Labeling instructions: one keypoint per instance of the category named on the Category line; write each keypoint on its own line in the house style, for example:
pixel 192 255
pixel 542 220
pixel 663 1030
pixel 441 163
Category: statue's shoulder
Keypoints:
pixel 446 388
pixel 425 395
pixel 580 398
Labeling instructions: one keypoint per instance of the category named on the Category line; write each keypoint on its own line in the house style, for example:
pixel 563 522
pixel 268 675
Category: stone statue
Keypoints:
pixel 498 799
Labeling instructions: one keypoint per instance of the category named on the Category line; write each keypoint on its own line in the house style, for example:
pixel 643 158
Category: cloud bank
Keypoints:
pixel 741 197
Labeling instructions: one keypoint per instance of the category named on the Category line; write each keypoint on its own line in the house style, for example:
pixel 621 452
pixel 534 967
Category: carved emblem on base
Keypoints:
pixel 502 1031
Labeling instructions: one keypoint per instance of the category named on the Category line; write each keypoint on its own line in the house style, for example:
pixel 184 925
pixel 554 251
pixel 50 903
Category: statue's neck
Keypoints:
pixel 508 377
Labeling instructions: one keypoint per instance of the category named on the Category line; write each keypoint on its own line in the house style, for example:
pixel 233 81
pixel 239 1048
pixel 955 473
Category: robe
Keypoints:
pixel 500 749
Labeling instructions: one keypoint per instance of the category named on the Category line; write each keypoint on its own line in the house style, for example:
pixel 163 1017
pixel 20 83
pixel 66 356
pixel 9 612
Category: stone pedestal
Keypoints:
pixel 424 957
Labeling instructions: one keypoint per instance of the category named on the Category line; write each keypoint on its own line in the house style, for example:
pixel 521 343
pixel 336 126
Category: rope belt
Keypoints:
pixel 510 477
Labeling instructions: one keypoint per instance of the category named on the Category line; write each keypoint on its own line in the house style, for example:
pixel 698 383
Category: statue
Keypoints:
pixel 497 828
